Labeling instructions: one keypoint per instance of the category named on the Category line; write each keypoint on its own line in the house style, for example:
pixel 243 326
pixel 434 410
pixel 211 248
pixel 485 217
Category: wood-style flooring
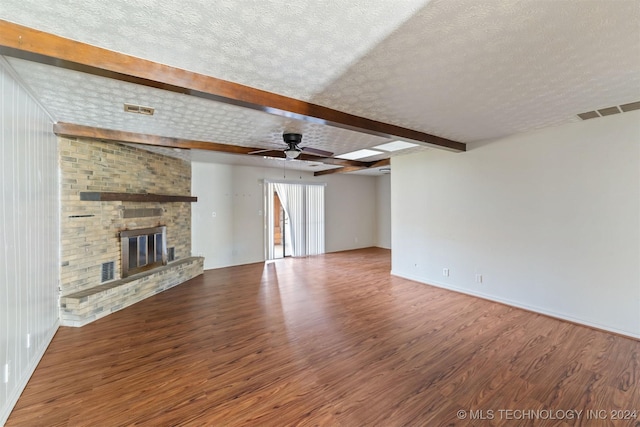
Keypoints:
pixel 331 340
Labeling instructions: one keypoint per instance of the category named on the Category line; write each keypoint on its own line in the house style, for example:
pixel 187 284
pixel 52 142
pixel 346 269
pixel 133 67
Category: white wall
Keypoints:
pixel 29 237
pixel 235 193
pixel 383 210
pixel 350 211
pixel 551 219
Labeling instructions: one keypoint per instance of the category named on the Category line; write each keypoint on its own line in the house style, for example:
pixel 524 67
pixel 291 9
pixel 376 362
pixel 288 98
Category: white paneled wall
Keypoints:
pixel 29 237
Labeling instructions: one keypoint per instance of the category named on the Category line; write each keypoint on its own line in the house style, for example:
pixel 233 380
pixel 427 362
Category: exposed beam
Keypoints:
pixel 345 169
pixel 81 131
pixel 73 130
pixel 380 163
pixel 27 43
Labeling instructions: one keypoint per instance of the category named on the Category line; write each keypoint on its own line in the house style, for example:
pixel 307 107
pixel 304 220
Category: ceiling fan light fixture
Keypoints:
pixel 292 153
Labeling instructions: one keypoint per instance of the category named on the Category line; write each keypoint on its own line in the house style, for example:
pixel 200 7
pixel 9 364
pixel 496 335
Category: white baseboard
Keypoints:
pixel 539 310
pixel 13 397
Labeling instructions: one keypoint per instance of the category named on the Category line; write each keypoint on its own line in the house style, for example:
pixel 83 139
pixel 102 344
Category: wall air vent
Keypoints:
pixel 616 109
pixel 107 271
pixel 139 109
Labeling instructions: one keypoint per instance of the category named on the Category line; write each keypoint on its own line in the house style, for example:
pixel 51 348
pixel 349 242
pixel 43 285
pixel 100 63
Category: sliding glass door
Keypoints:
pixel 303 219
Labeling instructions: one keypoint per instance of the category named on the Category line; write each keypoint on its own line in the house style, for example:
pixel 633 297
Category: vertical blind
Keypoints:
pixel 304 205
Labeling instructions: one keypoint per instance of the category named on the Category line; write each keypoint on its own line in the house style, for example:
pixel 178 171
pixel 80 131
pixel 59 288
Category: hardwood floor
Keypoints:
pixel 331 340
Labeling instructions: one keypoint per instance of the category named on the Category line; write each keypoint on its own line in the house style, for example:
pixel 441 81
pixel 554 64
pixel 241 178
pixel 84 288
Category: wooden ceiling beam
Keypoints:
pixel 37 46
pixel 380 163
pixel 81 131
pixel 73 130
pixel 345 169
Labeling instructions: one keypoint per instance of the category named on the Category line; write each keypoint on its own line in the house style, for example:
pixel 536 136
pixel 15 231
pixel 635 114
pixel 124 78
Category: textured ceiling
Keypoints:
pixel 295 48
pixel 471 70
pixel 467 70
pixel 75 97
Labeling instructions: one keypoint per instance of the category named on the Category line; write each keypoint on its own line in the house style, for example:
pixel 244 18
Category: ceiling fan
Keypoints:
pixel 293 150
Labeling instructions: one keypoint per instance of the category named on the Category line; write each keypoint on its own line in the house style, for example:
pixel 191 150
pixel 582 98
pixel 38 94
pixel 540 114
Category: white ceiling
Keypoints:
pixel 467 70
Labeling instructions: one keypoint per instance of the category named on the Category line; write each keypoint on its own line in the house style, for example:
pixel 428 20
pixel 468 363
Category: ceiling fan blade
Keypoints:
pixel 260 151
pixel 270 153
pixel 316 151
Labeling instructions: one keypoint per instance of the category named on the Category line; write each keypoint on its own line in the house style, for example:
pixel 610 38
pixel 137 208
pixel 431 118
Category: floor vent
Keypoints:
pixel 616 109
pixel 108 269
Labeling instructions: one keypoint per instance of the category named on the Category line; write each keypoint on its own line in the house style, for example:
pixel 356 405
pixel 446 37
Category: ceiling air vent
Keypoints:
pixel 588 115
pixel 139 109
pixel 610 110
pixel 630 107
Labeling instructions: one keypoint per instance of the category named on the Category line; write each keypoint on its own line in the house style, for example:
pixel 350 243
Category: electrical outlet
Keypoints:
pixel 478 278
pixel 6 373
pixel 445 272
pixel 28 340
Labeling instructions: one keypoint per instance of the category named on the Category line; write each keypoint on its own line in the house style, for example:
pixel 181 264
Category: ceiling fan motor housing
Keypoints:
pixel 292 138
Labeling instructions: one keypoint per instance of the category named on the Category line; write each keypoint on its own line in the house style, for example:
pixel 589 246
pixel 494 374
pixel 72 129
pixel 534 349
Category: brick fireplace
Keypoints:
pixel 92 283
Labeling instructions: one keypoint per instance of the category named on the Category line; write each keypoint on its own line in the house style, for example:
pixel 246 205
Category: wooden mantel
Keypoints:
pixel 96 196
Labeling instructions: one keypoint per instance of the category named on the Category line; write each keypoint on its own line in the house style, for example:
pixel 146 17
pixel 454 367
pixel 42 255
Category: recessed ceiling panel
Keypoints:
pixel 395 146
pixel 359 154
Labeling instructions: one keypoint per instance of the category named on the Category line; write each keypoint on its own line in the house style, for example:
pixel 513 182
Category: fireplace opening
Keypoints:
pixel 143 249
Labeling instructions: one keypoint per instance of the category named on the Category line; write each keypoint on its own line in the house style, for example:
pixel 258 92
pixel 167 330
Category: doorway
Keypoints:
pixel 281 230
pixel 294 219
